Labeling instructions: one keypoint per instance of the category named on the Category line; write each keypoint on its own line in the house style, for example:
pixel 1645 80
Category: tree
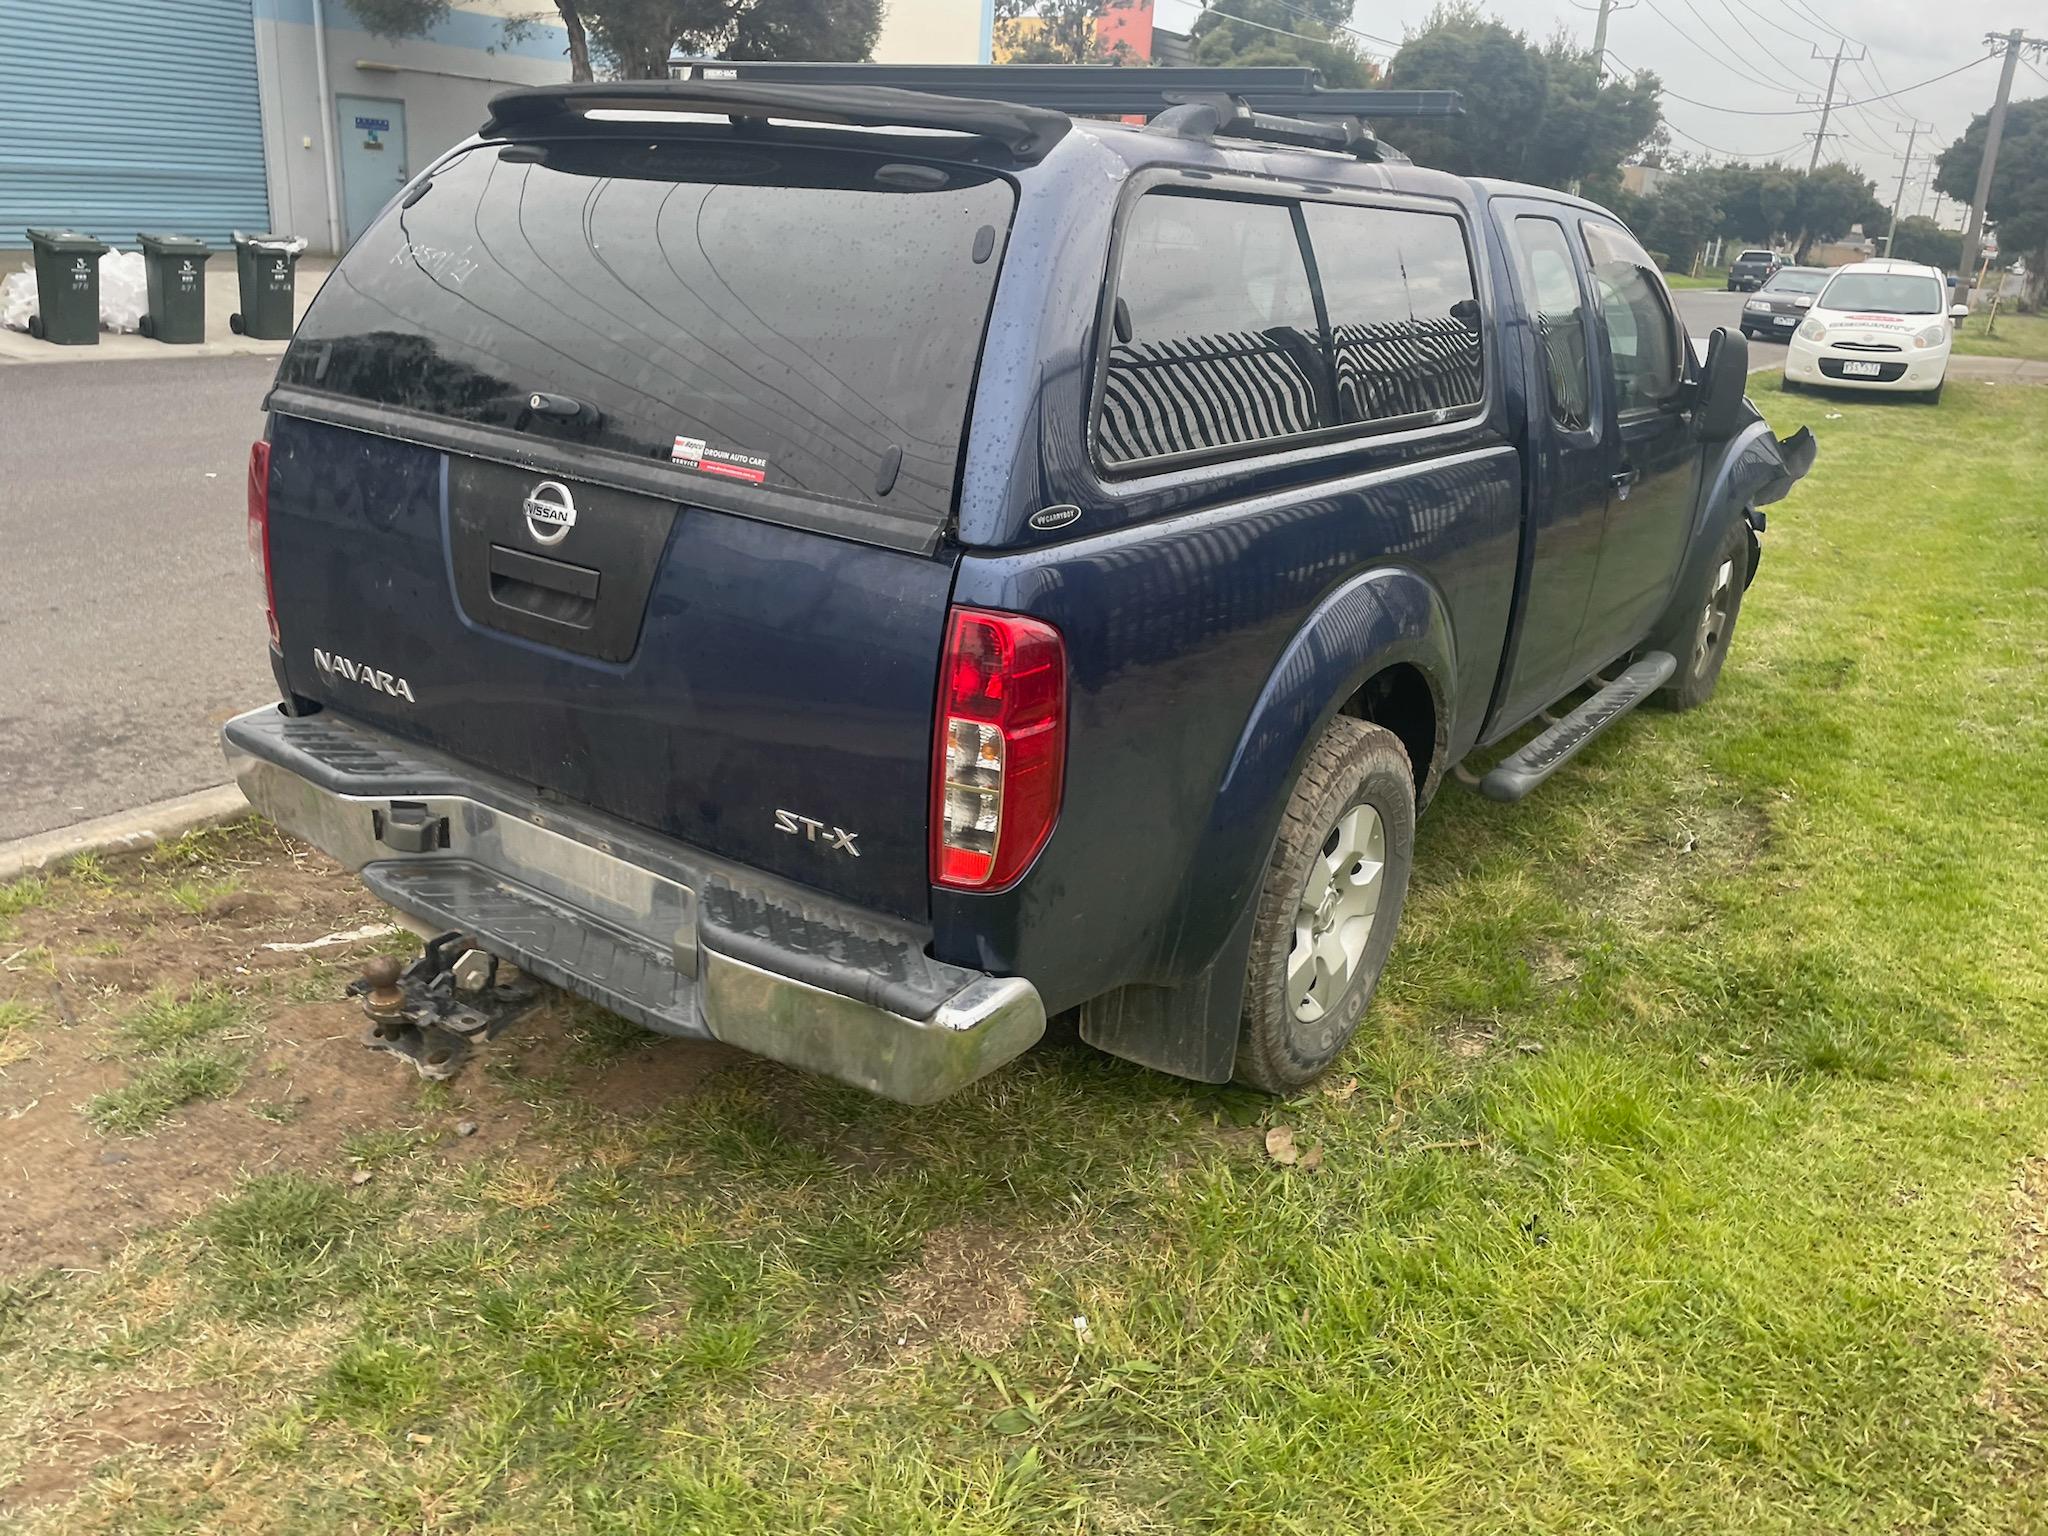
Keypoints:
pixel 1502 79
pixel 636 37
pixel 1679 217
pixel 1589 126
pixel 1923 240
pixel 2018 204
pixel 1833 200
pixel 1531 114
pixel 1282 32
pixel 1057 32
pixel 1758 202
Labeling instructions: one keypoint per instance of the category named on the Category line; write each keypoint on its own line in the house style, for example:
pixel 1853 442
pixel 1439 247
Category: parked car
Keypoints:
pixel 850 572
pixel 1752 269
pixel 1877 325
pixel 1782 302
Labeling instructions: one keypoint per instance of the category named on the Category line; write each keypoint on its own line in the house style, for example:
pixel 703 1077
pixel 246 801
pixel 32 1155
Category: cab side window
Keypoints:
pixel 1216 342
pixel 1559 314
pixel 1643 338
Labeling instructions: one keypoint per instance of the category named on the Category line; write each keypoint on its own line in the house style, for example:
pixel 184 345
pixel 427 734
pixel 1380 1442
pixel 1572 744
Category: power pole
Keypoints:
pixel 1827 105
pixel 1905 170
pixel 1607 9
pixel 2010 44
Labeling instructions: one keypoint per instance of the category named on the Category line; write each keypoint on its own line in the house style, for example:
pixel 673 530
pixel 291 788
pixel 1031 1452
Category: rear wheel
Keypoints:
pixel 1701 633
pixel 1329 906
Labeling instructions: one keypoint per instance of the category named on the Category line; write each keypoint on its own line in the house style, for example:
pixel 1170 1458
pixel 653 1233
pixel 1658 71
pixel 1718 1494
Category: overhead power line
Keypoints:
pixel 1804 111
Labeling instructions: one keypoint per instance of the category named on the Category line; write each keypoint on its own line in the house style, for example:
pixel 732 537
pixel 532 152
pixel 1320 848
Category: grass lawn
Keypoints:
pixel 1711 277
pixel 1689 1176
pixel 2018 336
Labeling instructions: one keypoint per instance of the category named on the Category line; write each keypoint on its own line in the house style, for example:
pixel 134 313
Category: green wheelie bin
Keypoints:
pixel 177 287
pixel 67 287
pixel 266 267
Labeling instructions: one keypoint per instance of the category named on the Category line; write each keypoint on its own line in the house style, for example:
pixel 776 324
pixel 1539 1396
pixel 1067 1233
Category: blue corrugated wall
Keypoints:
pixel 119 115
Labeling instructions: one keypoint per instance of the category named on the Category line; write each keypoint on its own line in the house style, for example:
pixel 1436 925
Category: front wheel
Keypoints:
pixel 1329 906
pixel 1933 396
pixel 1700 634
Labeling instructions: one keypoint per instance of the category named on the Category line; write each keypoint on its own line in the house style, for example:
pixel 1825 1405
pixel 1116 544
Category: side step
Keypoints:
pixel 1521 771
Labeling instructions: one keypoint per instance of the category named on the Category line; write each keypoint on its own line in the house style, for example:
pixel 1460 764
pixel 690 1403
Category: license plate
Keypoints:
pixel 1861 370
pixel 1784 320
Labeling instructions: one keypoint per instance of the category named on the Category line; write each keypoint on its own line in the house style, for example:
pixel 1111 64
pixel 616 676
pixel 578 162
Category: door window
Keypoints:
pixel 1643 340
pixel 1216 340
pixel 1559 313
pixel 1404 318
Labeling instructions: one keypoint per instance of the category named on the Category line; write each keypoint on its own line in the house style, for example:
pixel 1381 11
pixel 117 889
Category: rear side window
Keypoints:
pixel 1559 313
pixel 1642 333
pixel 800 318
pixel 1218 343
pixel 1404 320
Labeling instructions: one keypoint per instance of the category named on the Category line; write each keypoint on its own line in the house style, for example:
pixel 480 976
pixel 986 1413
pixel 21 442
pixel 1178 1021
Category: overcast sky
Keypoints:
pixel 1700 49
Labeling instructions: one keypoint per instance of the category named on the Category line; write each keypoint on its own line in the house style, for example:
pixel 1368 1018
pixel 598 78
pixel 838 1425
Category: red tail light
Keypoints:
pixel 259 533
pixel 1000 760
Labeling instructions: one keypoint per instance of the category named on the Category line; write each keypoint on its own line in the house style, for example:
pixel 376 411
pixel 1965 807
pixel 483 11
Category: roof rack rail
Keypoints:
pixel 1026 131
pixel 1097 90
pixel 1221 117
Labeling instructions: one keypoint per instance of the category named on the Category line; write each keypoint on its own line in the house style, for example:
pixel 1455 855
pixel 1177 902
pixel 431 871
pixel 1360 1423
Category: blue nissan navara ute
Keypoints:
pixel 849 562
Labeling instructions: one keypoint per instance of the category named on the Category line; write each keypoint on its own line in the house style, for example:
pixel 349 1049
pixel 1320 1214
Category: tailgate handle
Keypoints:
pixel 547 589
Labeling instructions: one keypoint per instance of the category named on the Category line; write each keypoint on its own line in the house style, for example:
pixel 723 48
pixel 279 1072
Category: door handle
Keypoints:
pixel 1623 481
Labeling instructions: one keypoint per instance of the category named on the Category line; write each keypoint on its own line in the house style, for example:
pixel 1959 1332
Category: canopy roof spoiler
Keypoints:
pixel 1026 108
pixel 1026 132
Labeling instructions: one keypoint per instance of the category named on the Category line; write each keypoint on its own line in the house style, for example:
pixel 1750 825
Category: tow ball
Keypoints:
pixel 435 1009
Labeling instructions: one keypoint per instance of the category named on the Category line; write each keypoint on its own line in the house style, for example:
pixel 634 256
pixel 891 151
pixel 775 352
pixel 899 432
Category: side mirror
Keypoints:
pixel 1959 311
pixel 1724 379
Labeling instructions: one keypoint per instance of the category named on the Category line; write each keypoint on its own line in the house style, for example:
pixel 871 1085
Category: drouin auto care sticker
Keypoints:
pixel 692 453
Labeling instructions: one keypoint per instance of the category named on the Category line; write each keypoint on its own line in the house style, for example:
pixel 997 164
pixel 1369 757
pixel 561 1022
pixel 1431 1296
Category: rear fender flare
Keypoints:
pixel 1188 1023
pixel 1377 619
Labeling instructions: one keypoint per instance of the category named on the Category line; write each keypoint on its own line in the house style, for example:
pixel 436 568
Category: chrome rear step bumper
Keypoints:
pixel 661 934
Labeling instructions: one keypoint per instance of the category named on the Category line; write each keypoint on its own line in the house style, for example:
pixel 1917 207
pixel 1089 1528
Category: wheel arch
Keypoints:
pixel 1380 647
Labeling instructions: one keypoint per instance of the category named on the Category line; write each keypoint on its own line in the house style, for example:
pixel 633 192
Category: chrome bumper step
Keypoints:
pixel 619 970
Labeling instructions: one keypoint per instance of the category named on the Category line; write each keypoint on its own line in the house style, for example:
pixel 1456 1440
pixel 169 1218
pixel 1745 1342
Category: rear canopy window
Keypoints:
pixel 802 318
pixel 1885 293
pixel 1218 343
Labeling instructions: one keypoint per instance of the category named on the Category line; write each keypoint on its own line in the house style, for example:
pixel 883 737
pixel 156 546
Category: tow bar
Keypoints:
pixel 432 1011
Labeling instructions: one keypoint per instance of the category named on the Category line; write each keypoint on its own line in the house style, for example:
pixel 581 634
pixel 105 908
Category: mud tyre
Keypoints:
pixel 1328 908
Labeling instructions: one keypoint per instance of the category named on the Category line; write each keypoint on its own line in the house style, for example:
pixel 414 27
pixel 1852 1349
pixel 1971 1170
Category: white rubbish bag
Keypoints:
pixel 17 299
pixel 124 290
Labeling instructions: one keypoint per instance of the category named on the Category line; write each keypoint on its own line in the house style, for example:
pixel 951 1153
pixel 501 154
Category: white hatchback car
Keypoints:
pixel 1877 325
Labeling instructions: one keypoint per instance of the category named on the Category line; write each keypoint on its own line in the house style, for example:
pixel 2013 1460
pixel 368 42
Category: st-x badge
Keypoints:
pixel 550 512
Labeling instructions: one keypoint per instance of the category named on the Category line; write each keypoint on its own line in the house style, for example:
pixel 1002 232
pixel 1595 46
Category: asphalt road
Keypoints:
pixel 1702 309
pixel 131 622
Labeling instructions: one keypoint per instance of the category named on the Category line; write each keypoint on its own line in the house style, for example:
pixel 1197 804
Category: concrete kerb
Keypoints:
pixel 122 832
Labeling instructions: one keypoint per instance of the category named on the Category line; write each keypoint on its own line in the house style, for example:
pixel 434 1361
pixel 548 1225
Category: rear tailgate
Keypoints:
pixel 622 468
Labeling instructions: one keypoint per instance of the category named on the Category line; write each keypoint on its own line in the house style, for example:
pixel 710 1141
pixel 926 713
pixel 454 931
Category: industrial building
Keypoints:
pixel 207 116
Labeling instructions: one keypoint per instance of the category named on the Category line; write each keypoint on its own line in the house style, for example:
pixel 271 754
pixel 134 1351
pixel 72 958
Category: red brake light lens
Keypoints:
pixel 259 533
pixel 999 765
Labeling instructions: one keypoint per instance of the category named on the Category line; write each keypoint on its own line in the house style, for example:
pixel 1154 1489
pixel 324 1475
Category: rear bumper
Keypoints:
pixel 671 938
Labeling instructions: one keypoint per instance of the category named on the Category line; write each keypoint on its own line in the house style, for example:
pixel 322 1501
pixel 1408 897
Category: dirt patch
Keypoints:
pixel 88 956
pixel 2018 1379
pixel 148 1421
pixel 966 1291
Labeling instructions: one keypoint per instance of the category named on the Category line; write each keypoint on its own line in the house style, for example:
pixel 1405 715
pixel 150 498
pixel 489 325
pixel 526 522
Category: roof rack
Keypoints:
pixel 1268 105
pixel 1027 132
pixel 1098 90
